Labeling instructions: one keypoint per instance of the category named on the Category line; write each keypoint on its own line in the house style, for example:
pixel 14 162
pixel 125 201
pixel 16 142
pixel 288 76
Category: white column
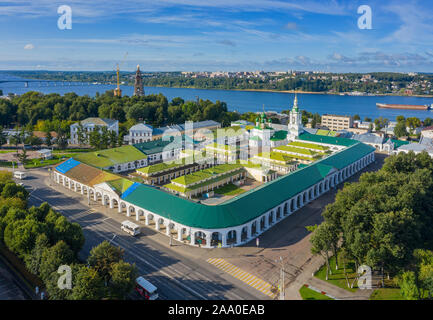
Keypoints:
pixel 208 239
pixel 147 219
pixel 179 234
pixel 192 236
pixel 249 227
pixel 238 235
pixel 224 239
pixel 137 215
pixel 128 212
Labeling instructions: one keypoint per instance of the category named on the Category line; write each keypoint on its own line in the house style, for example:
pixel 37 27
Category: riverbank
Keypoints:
pixel 300 92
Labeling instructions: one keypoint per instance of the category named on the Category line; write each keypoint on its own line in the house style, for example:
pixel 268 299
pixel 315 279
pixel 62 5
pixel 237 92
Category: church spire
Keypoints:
pixel 138 85
pixel 295 103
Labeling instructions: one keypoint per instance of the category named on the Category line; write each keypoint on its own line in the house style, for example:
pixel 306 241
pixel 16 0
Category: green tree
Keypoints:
pixel 48 138
pixel 88 285
pixel 95 139
pixel 105 138
pixel 81 134
pixel 412 123
pixel 34 259
pixel 408 286
pixel 400 129
pixel 113 139
pixel 22 156
pixel 321 241
pixel 428 122
pixel 62 138
pixel 53 257
pixel 122 279
pixel 2 136
pixel 69 232
pixel 20 236
pixel 400 119
pixel 102 258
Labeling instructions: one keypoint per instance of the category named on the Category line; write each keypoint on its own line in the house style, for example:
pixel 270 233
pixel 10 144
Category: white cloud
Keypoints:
pixel 29 46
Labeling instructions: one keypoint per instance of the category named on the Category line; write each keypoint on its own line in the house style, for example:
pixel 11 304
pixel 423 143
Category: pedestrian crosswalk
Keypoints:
pixel 245 277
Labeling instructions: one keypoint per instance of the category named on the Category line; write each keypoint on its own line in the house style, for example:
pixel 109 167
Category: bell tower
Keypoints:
pixel 138 85
pixel 295 120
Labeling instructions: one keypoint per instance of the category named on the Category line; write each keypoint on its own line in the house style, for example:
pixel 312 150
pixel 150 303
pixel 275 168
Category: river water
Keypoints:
pixel 243 101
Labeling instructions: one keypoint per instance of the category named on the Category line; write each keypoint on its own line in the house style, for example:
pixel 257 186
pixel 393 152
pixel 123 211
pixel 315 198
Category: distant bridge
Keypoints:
pixel 48 82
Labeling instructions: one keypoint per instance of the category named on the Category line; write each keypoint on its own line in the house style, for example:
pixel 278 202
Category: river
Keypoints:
pixel 243 101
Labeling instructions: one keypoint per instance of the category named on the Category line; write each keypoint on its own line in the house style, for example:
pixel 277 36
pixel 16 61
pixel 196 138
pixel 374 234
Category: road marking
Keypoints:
pixel 244 276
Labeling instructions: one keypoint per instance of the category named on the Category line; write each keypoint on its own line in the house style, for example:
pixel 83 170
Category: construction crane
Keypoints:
pixel 117 92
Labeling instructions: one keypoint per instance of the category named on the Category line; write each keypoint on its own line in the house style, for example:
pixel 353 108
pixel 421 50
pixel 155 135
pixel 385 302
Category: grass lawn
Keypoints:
pixel 7 164
pixel 37 163
pixel 7 151
pixel 387 294
pixel 71 150
pixel 308 294
pixel 229 190
pixel 337 277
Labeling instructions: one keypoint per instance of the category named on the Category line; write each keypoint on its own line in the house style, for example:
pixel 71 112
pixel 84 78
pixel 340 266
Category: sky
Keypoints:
pixel 217 35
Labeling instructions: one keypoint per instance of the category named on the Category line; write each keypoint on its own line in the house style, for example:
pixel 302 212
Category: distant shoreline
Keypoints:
pixel 303 92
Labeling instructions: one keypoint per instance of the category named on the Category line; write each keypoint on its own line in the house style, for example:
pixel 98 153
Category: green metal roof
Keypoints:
pixel 326 139
pixel 247 206
pixel 279 135
pixel 157 146
pixel 109 157
pixel 399 143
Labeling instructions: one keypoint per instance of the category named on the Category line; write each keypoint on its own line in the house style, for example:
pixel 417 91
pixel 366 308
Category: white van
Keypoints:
pixel 20 175
pixel 130 227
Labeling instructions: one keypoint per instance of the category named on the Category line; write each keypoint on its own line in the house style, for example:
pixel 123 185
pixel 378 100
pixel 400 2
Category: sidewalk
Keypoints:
pixel 338 292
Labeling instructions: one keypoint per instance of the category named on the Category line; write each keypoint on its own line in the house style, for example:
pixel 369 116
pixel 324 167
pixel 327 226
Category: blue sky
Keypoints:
pixel 229 35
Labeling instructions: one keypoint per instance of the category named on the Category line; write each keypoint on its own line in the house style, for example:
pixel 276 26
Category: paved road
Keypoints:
pixel 9 285
pixel 175 276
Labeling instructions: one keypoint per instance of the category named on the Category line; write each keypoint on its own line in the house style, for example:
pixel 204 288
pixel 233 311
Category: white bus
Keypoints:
pixel 130 227
pixel 146 289
pixel 20 175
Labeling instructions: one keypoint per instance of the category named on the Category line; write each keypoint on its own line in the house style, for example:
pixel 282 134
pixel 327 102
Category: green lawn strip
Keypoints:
pixel 203 184
pixel 37 163
pixel 301 151
pixel 308 145
pixel 7 164
pixel 229 190
pixel 387 294
pixel 337 277
pixel 71 150
pixel 309 294
pixel 7 151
